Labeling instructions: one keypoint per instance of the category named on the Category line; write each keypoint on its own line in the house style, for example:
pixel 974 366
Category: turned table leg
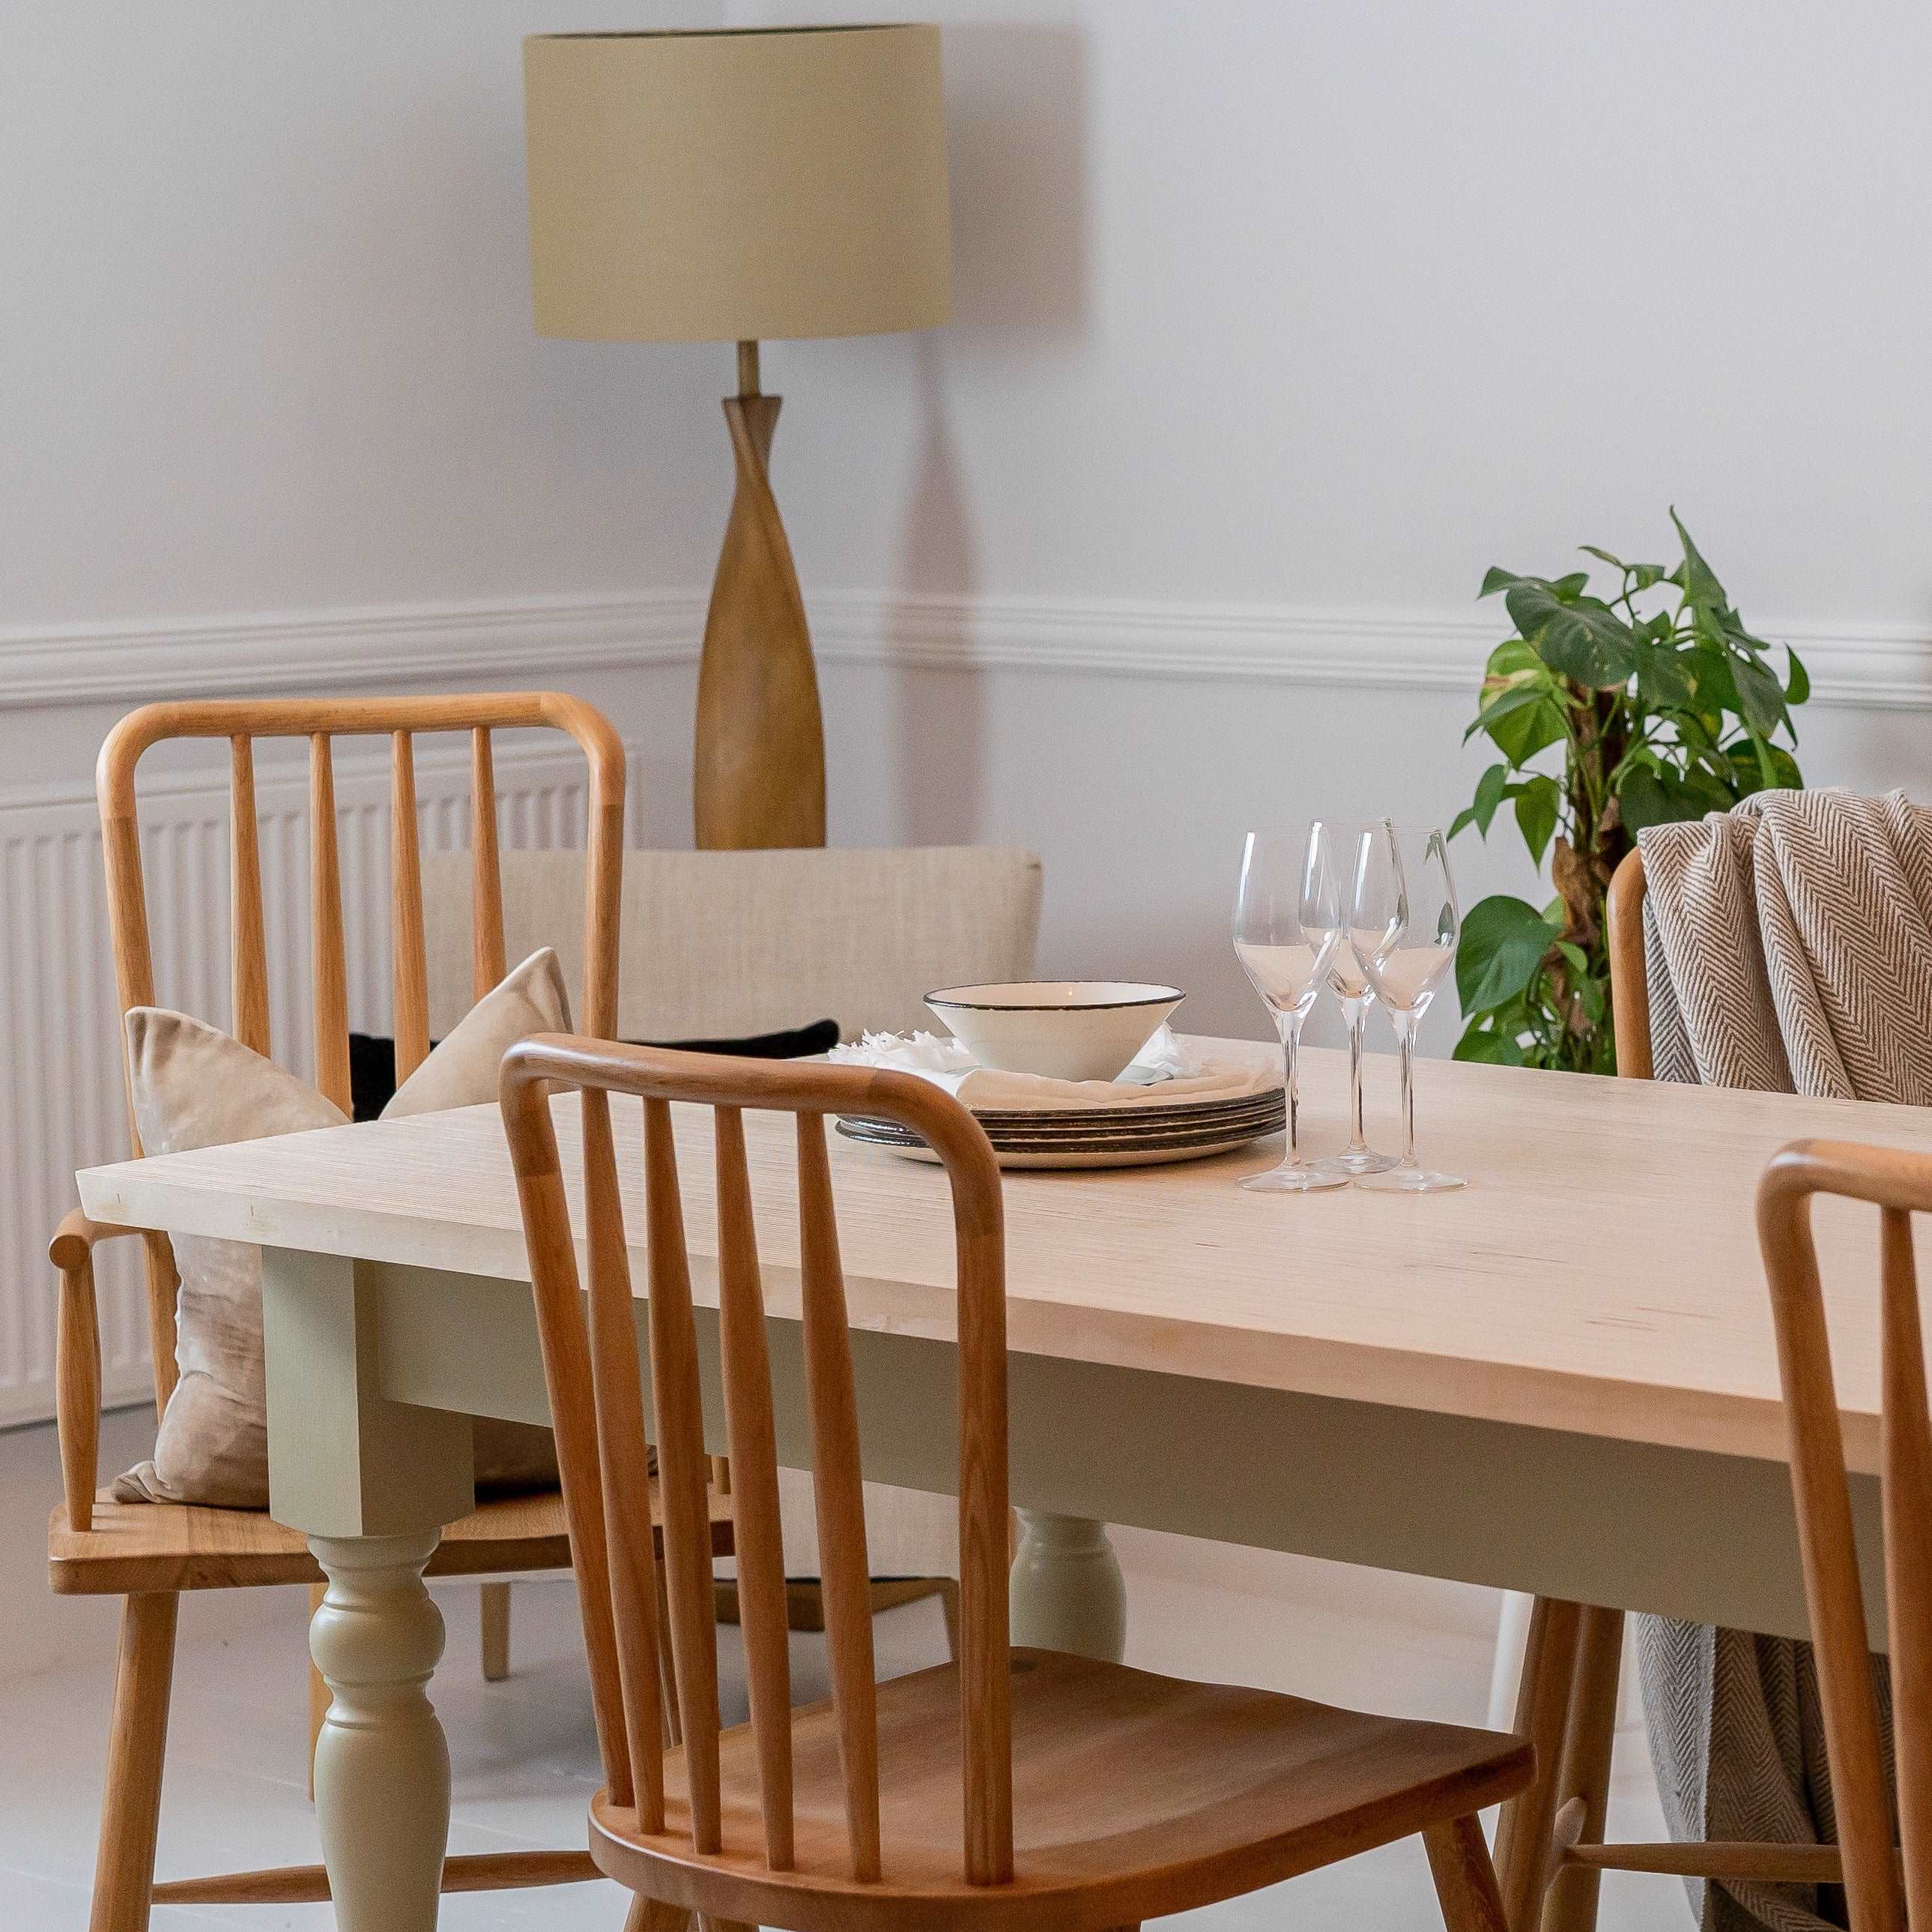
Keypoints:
pixel 371 1481
pixel 1065 1589
pixel 382 1767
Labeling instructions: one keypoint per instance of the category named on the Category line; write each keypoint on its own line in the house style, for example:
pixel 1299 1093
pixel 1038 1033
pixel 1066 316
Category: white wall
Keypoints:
pixel 1315 312
pixel 1275 324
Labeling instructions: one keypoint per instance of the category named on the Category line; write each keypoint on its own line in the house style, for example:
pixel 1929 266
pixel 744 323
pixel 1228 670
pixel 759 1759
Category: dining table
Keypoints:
pixel 1561 1379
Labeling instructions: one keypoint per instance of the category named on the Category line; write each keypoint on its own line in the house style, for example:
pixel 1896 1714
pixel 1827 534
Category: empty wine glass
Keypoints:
pixel 1355 996
pixel 1288 921
pixel 1402 926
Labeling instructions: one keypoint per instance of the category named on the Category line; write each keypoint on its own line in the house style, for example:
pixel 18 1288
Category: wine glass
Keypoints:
pixel 1355 996
pixel 1288 925
pixel 1402 926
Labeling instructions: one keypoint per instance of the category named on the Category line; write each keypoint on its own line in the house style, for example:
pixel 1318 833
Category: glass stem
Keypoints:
pixel 1290 1025
pixel 1356 1012
pixel 1405 1034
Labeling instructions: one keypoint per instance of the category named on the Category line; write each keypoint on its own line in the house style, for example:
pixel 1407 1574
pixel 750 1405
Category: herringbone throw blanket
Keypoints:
pixel 1788 949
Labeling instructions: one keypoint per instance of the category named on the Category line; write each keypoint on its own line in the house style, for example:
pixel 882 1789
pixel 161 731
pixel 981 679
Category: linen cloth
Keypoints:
pixel 1163 1074
pixel 1788 948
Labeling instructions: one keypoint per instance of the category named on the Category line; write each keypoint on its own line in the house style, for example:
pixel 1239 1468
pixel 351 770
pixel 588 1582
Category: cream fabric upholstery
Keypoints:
pixel 724 944
pixel 719 945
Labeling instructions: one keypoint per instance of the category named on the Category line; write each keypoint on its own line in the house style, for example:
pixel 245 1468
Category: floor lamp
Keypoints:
pixel 735 187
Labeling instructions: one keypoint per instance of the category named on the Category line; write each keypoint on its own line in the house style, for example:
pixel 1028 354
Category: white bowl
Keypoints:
pixel 1061 1029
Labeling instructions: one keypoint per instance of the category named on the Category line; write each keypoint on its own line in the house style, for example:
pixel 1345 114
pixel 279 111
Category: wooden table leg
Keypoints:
pixel 1066 1592
pixel 382 1767
pixel 371 1481
pixel 1523 1832
pixel 1571 1905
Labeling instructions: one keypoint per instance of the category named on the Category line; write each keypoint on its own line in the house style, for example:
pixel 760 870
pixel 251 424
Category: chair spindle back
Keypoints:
pixel 596 1396
pixel 321 721
pixel 1900 1185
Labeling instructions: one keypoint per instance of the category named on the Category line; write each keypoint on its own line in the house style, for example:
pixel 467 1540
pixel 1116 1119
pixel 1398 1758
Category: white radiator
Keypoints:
pixel 65 1106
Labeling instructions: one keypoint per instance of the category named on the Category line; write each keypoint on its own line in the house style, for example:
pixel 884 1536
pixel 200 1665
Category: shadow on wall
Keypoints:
pixel 1016 113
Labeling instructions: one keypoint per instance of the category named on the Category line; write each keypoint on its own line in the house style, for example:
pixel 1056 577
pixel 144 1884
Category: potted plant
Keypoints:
pixel 1610 713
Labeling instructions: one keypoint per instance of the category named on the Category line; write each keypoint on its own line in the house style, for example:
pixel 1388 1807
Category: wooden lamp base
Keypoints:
pixel 759 771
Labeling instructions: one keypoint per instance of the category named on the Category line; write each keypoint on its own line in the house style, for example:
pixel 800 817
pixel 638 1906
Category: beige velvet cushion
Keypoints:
pixel 195 1086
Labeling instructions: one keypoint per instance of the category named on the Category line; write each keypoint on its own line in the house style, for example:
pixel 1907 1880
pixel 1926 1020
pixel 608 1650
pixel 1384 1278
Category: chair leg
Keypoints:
pixel 1465 1880
pixel 318 1691
pixel 1571 1903
pixel 496 1632
pixel 130 1811
pixel 1524 1833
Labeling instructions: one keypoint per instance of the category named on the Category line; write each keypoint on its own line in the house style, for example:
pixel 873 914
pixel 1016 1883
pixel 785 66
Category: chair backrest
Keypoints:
pixel 722 945
pixel 1899 1184
pixel 1630 984
pixel 320 721
pixel 591 1363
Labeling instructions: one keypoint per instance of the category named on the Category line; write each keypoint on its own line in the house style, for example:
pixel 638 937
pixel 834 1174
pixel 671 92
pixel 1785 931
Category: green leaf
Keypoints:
pixel 1799 688
pixel 1467 816
pixel 1511 657
pixel 1567 590
pixel 1480 1043
pixel 1503 943
pixel 1614 562
pixel 1518 697
pixel 1496 578
pixel 1760 696
pixel 1489 795
pixel 1585 641
pixel 1660 678
pixel 1537 803
pixel 1702 590
pixel 1575 958
pixel 1644 800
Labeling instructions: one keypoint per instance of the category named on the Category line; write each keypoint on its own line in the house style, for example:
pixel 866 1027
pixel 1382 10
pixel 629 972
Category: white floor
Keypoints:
pixel 525 1758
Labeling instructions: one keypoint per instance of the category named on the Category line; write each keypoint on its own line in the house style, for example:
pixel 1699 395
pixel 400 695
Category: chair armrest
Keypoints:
pixel 77 1361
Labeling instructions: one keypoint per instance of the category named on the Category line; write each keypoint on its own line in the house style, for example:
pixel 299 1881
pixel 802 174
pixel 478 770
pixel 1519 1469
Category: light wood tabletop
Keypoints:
pixel 1561 1380
pixel 1600 1274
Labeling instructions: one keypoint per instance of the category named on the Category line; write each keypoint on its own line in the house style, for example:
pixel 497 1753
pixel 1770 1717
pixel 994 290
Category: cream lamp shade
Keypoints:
pixel 735 185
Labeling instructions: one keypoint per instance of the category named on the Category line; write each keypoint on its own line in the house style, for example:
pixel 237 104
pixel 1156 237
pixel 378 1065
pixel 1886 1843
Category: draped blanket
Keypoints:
pixel 1789 949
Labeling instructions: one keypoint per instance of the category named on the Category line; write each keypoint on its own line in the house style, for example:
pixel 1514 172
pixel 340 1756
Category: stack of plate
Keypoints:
pixel 1136 1136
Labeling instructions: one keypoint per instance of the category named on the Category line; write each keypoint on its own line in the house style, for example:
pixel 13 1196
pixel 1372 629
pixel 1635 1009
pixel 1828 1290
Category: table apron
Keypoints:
pixel 1684 1532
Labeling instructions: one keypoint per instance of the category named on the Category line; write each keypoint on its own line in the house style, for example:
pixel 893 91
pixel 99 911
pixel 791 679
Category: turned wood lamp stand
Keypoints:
pixel 759 773
pixel 740 186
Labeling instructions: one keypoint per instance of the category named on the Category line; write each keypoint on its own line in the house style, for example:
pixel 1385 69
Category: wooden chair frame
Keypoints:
pixel 1900 1185
pixel 1574 1684
pixel 596 1394
pixel 125 1889
pixel 658 1825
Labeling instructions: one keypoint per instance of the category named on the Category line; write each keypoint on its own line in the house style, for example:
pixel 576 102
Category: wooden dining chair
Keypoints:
pixel 1573 1675
pixel 1005 1788
pixel 1864 1861
pixel 148 1552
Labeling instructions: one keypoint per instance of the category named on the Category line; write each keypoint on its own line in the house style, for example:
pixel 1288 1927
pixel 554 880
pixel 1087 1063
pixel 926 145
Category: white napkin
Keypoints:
pixel 1163 1074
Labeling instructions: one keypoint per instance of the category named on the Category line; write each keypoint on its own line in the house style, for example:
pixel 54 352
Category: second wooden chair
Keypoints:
pixel 1007 1789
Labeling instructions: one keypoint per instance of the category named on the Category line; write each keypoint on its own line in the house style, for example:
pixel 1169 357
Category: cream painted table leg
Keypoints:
pixel 1065 1589
pixel 371 1482
pixel 381 1766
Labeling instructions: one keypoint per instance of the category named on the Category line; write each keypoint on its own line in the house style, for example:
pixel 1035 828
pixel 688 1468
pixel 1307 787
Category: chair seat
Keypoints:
pixel 136 1547
pixel 1134 1796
